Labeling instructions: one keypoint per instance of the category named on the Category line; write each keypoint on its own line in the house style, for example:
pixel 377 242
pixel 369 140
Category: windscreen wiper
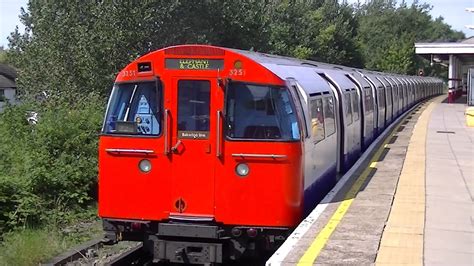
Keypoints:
pixel 130 102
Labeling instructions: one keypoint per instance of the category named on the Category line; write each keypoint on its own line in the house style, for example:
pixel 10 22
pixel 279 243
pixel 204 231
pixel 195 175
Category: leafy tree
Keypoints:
pixel 321 30
pixel 387 34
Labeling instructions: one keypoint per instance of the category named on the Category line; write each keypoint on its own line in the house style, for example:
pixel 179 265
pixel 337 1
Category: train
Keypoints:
pixel 208 154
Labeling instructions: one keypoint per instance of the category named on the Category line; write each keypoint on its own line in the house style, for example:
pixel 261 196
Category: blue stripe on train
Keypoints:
pixel 316 191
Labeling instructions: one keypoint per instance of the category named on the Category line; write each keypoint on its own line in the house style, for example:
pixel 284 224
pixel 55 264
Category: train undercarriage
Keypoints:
pixel 196 243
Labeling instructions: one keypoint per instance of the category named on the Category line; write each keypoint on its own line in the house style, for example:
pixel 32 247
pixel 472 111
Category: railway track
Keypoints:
pixel 98 252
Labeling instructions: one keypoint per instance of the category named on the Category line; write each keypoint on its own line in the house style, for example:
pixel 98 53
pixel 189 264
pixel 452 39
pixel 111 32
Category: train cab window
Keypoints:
pixel 193 105
pixel 355 105
pixel 317 120
pixel 347 108
pixel 329 117
pixel 134 109
pixel 260 112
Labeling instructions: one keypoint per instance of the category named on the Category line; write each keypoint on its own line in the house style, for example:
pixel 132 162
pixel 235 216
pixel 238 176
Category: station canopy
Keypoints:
pixel 459 57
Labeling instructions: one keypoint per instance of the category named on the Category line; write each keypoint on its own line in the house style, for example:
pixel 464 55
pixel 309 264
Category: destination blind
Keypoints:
pixel 194 64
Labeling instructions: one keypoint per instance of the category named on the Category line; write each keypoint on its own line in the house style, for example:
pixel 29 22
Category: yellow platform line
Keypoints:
pixel 402 239
pixel 321 239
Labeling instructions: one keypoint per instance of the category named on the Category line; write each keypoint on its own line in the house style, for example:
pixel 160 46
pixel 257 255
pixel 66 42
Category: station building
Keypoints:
pixel 7 85
pixel 459 57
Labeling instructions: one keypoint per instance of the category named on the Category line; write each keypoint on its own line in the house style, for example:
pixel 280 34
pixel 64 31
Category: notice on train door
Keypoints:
pixel 193 134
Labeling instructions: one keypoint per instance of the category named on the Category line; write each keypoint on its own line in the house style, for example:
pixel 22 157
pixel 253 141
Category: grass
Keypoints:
pixel 31 246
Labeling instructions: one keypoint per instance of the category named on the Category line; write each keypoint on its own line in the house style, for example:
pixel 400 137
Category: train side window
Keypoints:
pixel 389 96
pixel 355 106
pixel 317 120
pixel 381 98
pixel 368 100
pixel 300 111
pixel 329 117
pixel 260 112
pixel 348 109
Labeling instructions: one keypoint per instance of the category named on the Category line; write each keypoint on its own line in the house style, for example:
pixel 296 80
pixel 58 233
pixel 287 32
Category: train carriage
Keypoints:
pixel 350 116
pixel 209 153
pixel 367 103
pixel 379 92
pixel 389 107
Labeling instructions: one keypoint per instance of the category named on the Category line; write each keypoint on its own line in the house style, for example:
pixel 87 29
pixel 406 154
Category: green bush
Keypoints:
pixel 48 169
pixel 30 246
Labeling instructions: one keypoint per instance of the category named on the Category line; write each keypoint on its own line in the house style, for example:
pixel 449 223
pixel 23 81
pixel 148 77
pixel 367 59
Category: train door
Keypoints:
pixel 192 148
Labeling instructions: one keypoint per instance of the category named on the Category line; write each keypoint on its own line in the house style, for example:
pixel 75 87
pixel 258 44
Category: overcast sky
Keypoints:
pixel 453 12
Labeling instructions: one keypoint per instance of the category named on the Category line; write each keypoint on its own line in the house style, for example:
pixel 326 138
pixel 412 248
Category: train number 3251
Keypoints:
pixel 237 72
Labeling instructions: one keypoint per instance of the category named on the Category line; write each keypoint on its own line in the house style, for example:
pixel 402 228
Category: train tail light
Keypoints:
pixel 252 232
pixel 236 232
pixel 136 226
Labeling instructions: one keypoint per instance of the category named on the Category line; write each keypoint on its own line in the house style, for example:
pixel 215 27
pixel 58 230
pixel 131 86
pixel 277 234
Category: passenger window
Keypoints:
pixel 347 107
pixel 300 111
pixel 317 120
pixel 395 93
pixel 389 96
pixel 329 117
pixel 260 112
pixel 355 105
pixel 381 98
pixel 368 100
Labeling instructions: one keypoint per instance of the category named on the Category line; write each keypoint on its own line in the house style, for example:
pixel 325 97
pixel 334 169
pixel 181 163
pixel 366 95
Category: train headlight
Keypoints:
pixel 242 169
pixel 145 166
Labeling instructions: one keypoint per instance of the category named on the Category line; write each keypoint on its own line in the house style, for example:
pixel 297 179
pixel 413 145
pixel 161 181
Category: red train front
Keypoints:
pixel 200 156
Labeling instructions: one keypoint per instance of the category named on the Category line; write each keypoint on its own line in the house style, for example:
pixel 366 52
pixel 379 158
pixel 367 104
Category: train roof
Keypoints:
pixel 303 71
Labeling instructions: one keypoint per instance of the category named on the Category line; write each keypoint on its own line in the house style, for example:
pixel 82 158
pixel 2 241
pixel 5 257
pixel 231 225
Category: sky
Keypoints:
pixel 453 12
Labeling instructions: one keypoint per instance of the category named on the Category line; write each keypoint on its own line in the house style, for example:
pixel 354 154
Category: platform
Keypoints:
pixel 409 201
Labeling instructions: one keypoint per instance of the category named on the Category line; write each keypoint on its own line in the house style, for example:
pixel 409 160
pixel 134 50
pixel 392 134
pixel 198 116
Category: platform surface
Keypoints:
pixel 449 233
pixel 409 202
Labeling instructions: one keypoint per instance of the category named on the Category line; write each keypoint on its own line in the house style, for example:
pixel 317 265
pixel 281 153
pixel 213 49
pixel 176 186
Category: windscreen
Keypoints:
pixel 134 109
pixel 260 112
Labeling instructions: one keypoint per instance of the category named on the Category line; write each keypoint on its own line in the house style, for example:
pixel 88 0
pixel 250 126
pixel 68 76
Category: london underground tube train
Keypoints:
pixel 208 153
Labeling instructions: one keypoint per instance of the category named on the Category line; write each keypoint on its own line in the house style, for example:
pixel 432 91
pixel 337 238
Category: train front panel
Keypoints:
pixel 197 133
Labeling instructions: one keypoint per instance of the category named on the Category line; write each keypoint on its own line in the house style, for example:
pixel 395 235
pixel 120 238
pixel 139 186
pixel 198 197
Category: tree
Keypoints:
pixel 320 30
pixel 387 34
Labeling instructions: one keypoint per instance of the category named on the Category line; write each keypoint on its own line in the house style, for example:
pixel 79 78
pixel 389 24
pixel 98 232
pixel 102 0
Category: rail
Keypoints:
pixel 87 252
